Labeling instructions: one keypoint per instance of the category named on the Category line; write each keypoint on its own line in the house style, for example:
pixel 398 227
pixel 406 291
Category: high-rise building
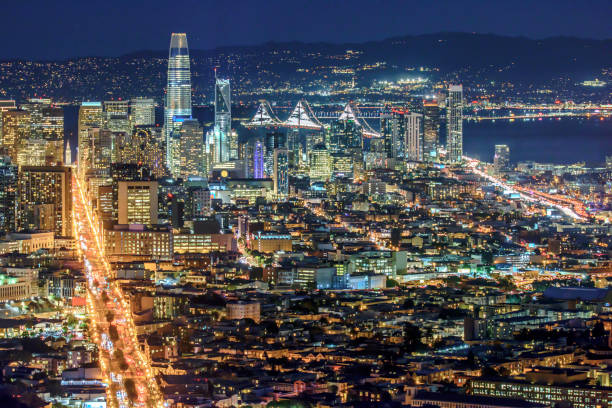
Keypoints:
pixel 431 129
pixel 46 130
pixel 274 139
pixel 90 116
pixel 15 131
pixel 392 130
pixel 345 133
pixel 454 123
pixel 178 92
pixel 501 160
pixel 32 152
pixel 258 160
pixel 191 152
pixel 281 172
pixel 100 148
pixel 402 133
pixel 8 194
pixel 413 137
pixel 142 112
pixel 137 202
pixel 342 165
pixel 45 199
pixel 223 122
pixel 144 145
pixel 320 164
pixel 116 116
pixel 5 105
pixel 126 172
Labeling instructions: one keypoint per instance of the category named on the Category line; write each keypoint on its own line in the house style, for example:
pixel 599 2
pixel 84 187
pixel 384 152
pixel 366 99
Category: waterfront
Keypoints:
pixel 563 141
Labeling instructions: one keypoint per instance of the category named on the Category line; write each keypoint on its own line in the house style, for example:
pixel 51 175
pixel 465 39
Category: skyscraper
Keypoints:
pixel 117 116
pixel 178 91
pixel 90 116
pixel 413 137
pixel 15 131
pixel 320 164
pixel 274 139
pixel 402 134
pixel 258 160
pixel 46 130
pixel 389 132
pixel 191 154
pixel 5 105
pixel 223 122
pixel 100 148
pixel 142 112
pixel 144 145
pixel 454 123
pixel 45 199
pixel 281 172
pixel 8 194
pixel 431 129
pixel 501 160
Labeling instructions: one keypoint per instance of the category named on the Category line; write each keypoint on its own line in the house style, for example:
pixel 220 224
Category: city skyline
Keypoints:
pixel 414 222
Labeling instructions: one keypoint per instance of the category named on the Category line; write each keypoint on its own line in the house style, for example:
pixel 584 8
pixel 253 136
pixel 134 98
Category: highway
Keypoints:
pixel 125 369
pixel 528 195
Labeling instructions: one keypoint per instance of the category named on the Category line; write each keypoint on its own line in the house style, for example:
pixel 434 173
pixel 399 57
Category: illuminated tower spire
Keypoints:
pixel 68 154
pixel 223 121
pixel 178 91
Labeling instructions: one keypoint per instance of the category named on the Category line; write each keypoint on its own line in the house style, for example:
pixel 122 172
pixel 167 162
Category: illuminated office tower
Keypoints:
pixel 342 165
pixel 388 132
pixel 126 172
pixel 413 137
pixel 32 152
pixel 223 122
pixel 144 145
pixel 501 160
pixel 258 160
pixel 47 125
pixel 320 164
pixel 431 129
pixel 100 148
pixel 191 151
pixel 393 131
pixel 178 92
pixel 137 202
pixel 345 133
pixel 281 172
pixel 15 131
pixel 116 116
pixel 454 123
pixel 142 112
pixel 45 199
pixel 5 105
pixel 90 116
pixel 274 139
pixel 8 194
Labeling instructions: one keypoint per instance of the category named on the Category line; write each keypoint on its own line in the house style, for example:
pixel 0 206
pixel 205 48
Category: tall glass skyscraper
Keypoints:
pixel 454 123
pixel 178 91
pixel 431 129
pixel 223 122
pixel 258 160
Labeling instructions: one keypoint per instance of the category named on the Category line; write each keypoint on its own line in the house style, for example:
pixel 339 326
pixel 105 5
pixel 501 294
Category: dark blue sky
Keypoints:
pixel 42 29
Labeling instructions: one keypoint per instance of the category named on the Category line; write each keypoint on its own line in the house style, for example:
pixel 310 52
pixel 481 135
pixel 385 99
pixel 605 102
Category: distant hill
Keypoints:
pixel 472 59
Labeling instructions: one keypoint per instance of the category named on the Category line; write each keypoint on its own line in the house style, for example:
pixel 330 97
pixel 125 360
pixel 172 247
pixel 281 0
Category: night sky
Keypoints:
pixel 41 29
